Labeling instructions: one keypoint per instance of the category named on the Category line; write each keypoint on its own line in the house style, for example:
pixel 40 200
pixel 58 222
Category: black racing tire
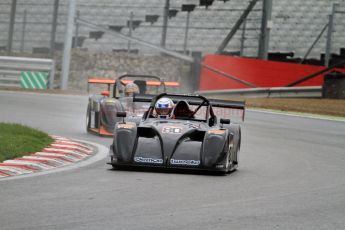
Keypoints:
pixel 240 139
pixel 236 130
pixel 115 167
pixel 88 117
pixel 228 159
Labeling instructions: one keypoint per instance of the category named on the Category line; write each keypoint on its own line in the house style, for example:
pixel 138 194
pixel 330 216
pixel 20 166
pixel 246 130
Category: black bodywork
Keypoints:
pixel 206 143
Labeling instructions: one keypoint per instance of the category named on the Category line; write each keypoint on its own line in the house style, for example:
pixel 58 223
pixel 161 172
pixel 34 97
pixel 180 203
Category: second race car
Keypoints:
pixel 102 107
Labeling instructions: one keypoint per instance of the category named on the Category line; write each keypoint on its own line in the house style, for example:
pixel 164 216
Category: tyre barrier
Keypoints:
pixel 62 152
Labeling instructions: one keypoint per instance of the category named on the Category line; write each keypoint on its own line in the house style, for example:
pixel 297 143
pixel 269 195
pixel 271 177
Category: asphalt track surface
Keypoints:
pixel 291 176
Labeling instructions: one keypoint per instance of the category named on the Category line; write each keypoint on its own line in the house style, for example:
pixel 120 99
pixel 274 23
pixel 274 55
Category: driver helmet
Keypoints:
pixel 130 89
pixel 163 107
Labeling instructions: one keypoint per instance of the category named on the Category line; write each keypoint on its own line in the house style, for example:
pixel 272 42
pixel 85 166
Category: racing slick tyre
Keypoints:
pixel 229 165
pixel 236 130
pixel 88 117
pixel 113 166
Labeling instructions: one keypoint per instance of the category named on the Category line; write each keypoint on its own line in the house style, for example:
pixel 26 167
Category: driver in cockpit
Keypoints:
pixel 130 89
pixel 182 110
pixel 163 108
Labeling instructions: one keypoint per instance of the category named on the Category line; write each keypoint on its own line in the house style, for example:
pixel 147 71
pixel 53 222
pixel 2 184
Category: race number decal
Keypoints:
pixel 125 126
pixel 172 129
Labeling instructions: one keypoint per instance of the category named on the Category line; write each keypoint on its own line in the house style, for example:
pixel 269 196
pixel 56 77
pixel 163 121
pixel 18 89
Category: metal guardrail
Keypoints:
pixel 275 92
pixel 12 67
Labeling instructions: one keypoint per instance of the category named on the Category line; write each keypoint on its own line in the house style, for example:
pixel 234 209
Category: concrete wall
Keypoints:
pixel 112 65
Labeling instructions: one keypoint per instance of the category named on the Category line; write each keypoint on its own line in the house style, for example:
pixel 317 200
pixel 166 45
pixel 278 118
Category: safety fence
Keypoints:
pixel 274 92
pixel 30 73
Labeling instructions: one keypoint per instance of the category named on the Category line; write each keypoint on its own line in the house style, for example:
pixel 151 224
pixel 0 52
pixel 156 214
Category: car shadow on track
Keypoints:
pixel 171 171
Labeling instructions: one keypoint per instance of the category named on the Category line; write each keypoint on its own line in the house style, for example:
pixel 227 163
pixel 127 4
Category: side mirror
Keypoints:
pixel 224 121
pixel 121 114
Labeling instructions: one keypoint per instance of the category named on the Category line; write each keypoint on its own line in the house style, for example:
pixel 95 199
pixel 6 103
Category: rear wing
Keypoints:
pixel 194 100
pixel 101 81
pixel 110 82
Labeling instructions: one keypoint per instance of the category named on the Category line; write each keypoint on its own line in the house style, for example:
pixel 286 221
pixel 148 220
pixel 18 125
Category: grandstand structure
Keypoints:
pixel 295 26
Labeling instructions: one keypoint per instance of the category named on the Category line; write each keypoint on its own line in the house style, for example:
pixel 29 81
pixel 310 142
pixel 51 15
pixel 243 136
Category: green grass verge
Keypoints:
pixel 18 140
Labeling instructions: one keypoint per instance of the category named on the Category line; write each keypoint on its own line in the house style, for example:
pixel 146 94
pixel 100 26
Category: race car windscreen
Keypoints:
pixel 235 115
pixel 200 114
pixel 155 89
pixel 134 108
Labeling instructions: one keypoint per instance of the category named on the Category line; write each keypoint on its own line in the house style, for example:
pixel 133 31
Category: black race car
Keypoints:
pixel 102 108
pixel 201 141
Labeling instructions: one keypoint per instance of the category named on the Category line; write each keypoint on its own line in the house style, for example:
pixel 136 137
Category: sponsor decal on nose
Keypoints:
pixel 148 160
pixel 184 162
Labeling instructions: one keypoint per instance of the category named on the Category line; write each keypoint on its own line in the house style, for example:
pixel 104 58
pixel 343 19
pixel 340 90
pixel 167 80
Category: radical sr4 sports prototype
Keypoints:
pixel 102 108
pixel 201 141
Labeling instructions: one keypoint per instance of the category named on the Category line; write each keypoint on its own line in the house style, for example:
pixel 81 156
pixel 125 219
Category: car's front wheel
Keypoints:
pixel 236 130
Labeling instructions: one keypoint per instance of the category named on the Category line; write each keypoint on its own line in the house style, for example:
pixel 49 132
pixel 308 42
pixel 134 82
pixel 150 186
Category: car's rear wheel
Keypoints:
pixel 113 165
pixel 228 162
pixel 88 116
pixel 236 130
